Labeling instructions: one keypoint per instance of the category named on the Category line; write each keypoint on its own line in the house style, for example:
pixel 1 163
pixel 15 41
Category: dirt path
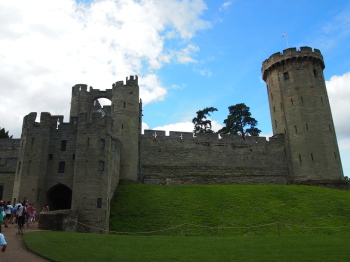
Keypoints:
pixel 16 250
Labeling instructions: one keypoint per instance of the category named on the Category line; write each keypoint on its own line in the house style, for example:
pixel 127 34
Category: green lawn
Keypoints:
pixel 61 246
pixel 212 223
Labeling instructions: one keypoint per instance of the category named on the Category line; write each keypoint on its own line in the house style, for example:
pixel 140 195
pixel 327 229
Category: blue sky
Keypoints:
pixel 188 55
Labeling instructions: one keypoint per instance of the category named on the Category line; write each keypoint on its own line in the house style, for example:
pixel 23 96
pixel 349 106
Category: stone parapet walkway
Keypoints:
pixel 16 250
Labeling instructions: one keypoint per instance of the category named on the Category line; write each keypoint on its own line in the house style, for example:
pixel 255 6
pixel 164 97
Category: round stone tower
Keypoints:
pixel 300 110
pixel 127 116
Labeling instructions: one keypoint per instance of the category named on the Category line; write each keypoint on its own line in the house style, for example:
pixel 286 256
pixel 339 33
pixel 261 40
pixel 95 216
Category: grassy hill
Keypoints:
pixel 226 210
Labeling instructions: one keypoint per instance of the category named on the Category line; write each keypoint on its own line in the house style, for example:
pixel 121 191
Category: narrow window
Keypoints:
pixel 312 157
pixel 291 100
pixel 307 127
pixel 50 156
pixel 102 144
pixel 300 158
pixel 101 165
pixel 274 109
pixel 63 145
pixel 124 105
pixel 61 166
pixel 122 126
pixel 19 168
pixel 315 73
pixel 285 76
pixel 38 195
pixel 88 141
pixel 73 157
pixel 99 203
pixel 296 129
pixel 285 131
pixel 29 166
pixel 302 100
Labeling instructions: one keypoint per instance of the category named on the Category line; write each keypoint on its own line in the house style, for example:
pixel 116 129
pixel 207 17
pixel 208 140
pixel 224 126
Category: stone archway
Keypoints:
pixel 59 197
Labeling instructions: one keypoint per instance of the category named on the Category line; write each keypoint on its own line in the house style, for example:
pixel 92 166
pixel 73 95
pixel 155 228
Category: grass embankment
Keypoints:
pixel 213 223
pixel 230 210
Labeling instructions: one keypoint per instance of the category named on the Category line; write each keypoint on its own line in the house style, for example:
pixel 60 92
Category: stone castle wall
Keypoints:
pixel 8 163
pixel 181 158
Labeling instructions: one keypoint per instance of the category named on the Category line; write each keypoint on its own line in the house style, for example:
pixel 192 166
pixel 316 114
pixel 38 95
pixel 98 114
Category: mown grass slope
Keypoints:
pixel 224 210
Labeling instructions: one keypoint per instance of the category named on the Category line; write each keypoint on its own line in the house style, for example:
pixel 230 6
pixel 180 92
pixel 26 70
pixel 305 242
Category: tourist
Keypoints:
pixel 29 213
pixel 21 215
pixel 3 242
pixel 8 213
pixel 32 218
pixel 15 211
pixel 2 213
pixel 45 208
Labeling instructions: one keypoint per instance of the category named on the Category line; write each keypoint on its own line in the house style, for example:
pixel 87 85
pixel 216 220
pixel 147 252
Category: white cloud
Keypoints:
pixel 225 5
pixel 49 46
pixel 338 88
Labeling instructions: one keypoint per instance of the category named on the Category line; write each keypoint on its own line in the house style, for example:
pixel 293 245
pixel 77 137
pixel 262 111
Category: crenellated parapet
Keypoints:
pixel 291 55
pixel 130 81
pixel 211 138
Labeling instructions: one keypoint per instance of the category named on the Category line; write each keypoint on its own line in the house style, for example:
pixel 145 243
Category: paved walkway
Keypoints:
pixel 16 250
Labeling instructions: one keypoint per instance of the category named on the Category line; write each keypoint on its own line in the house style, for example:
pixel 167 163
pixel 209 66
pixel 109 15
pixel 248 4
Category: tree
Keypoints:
pixel 240 122
pixel 4 134
pixel 201 123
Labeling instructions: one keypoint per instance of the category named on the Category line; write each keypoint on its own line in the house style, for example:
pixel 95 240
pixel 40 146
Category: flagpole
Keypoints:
pixel 285 35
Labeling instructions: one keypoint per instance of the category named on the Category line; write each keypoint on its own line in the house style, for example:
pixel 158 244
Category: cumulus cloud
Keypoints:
pixel 49 46
pixel 338 88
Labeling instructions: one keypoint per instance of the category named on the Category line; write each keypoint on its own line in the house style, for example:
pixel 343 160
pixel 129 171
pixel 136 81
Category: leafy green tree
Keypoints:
pixel 240 122
pixel 4 134
pixel 201 123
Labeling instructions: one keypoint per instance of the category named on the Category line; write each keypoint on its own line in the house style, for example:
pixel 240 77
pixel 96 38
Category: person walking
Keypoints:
pixel 2 213
pixel 3 242
pixel 21 217
pixel 8 213
pixel 30 210
pixel 15 211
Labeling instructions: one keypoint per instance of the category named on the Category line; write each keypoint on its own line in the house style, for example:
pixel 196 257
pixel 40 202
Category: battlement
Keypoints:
pixel 202 137
pixel 291 53
pixel 130 81
pixel 79 88
pixel 96 93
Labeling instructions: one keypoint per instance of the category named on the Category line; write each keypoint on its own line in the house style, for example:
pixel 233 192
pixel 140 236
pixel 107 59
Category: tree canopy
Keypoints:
pixel 201 123
pixel 240 122
pixel 4 134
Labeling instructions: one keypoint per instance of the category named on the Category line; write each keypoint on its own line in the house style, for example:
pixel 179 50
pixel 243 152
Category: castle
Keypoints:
pixel 77 165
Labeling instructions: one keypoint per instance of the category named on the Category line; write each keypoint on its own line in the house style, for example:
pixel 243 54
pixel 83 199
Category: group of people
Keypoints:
pixel 22 213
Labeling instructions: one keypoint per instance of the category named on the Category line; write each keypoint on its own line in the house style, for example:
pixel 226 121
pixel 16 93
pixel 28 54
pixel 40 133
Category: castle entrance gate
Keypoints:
pixel 59 197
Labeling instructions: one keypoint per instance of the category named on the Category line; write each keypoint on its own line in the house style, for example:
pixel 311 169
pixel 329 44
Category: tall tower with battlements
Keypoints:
pixel 127 116
pixel 300 110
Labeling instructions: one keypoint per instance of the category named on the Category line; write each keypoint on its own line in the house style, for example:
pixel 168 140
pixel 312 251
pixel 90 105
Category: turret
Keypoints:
pixel 126 112
pixel 300 110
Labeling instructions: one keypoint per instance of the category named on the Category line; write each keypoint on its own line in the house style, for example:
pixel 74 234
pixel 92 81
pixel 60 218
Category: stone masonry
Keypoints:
pixel 75 166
